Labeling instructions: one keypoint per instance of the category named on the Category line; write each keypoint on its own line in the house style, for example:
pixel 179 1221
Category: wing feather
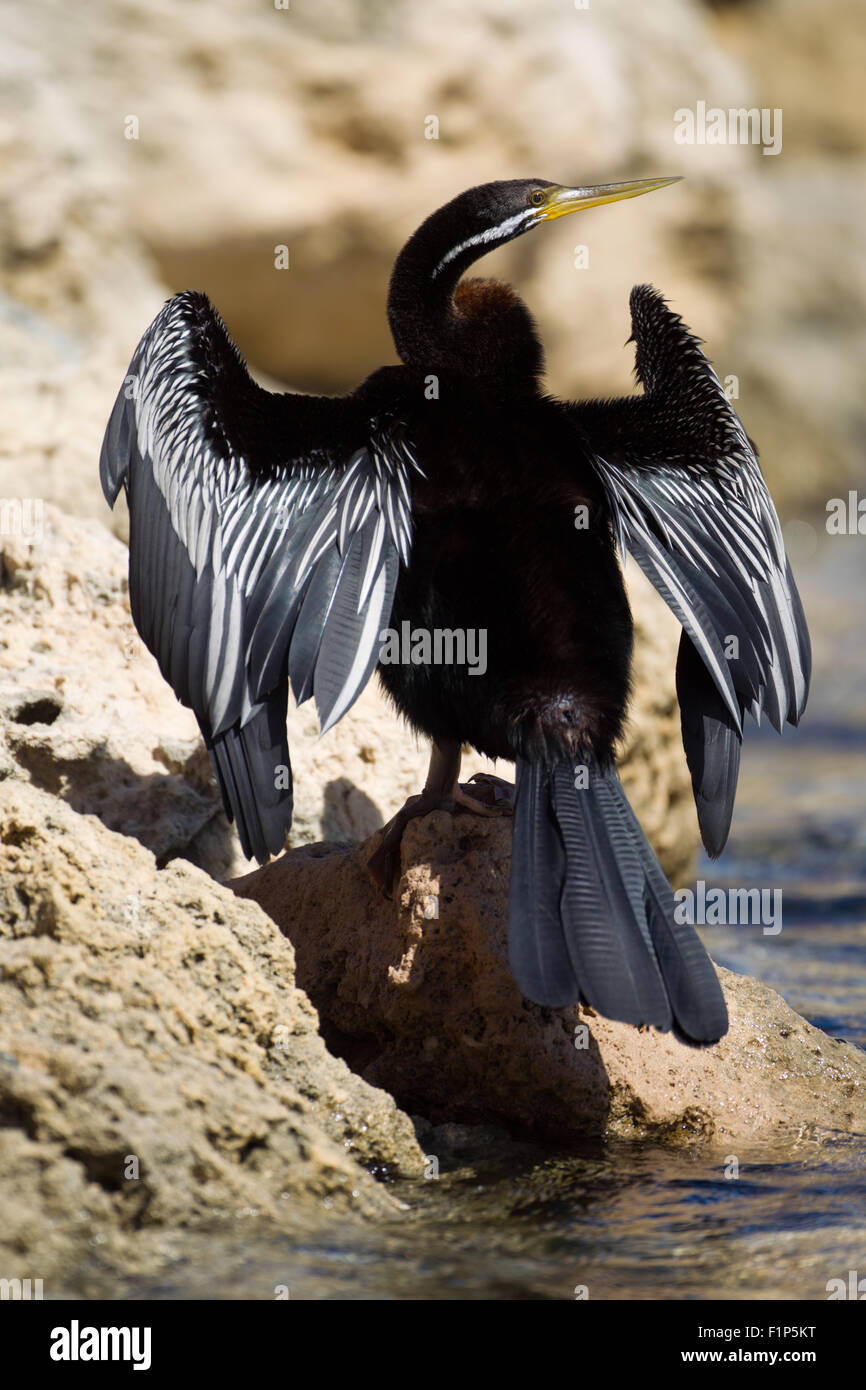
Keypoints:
pixel 688 500
pixel 266 534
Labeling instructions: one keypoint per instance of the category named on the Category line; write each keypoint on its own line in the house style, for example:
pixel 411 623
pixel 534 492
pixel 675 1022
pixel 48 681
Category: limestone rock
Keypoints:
pixel 417 995
pixel 159 1070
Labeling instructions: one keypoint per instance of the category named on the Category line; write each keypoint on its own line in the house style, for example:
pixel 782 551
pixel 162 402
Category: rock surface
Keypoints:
pixel 417 995
pixel 159 1070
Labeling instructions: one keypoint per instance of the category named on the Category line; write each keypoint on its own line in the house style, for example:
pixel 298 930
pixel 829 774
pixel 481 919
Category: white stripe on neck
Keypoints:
pixel 503 232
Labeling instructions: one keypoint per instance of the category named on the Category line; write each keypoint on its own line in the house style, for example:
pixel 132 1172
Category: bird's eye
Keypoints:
pixel 536 199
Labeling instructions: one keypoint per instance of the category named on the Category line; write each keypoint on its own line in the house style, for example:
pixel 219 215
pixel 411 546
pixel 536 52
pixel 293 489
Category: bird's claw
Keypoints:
pixel 494 797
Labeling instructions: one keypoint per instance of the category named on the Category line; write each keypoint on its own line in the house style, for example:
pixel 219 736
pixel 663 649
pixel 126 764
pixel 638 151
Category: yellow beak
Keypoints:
pixel 564 200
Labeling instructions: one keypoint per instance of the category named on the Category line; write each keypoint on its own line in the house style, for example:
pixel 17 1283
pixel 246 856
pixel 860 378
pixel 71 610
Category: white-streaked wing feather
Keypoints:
pixel 222 554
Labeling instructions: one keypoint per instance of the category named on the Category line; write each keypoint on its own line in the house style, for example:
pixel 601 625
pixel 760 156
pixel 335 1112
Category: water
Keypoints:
pixel 639 1221
pixel 799 824
pixel 799 828
pixel 621 1221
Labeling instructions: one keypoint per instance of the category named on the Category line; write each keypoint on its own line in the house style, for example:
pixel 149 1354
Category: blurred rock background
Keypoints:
pixel 306 126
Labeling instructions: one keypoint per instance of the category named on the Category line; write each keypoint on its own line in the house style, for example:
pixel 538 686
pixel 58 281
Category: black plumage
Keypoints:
pixel 274 538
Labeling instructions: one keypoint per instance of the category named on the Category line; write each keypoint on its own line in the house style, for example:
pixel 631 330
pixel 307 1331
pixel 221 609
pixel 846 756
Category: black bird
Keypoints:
pixel 274 538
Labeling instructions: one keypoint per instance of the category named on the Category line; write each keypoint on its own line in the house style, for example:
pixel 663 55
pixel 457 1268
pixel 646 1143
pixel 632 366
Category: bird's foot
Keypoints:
pixel 493 798
pixel 491 795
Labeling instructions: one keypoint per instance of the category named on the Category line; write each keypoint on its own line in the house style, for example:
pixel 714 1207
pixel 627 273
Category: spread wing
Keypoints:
pixel 266 534
pixel 689 501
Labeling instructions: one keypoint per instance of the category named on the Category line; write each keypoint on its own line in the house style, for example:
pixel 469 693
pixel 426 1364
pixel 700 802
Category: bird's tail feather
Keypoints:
pixel 254 773
pixel 591 914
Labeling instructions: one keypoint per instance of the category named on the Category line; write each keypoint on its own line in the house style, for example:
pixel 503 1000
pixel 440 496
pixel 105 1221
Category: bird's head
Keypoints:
pixel 492 214
pixel 483 328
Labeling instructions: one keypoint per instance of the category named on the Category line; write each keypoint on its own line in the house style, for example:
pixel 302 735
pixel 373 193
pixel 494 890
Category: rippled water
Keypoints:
pixel 641 1221
pixel 621 1221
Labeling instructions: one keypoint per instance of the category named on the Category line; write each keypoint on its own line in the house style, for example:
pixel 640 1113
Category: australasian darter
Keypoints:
pixel 273 539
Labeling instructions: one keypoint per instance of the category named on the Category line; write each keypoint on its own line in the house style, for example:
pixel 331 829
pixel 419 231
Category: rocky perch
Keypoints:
pixel 417 995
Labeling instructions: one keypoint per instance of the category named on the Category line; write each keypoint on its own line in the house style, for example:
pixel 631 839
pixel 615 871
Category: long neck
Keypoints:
pixel 478 328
